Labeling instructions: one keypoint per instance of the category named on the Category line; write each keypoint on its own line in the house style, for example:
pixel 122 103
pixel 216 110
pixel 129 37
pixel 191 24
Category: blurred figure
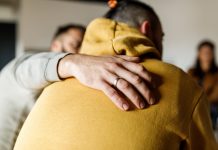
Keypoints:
pixel 27 76
pixel 205 73
pixel 68 38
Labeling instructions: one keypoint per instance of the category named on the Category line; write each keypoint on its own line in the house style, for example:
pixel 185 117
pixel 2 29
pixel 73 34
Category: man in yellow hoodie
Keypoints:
pixel 70 116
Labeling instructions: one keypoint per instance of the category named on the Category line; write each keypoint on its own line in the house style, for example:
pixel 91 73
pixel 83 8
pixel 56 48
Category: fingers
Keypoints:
pixel 131 64
pixel 127 89
pixel 103 71
pixel 116 98
pixel 139 70
pixel 139 84
pixel 128 58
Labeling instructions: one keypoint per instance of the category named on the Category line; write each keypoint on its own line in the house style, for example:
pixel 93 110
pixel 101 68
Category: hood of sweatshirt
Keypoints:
pixel 108 37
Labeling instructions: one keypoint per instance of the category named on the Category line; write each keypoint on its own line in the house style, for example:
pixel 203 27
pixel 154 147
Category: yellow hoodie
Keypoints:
pixel 70 116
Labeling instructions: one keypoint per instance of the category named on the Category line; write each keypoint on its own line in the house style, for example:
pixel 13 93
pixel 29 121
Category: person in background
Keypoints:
pixel 205 73
pixel 68 38
pixel 71 116
pixel 24 78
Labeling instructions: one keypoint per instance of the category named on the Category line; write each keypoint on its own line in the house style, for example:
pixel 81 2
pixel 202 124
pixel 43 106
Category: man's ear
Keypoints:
pixel 145 28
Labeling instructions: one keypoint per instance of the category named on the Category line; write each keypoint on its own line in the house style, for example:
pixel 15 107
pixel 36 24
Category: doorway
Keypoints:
pixel 7 43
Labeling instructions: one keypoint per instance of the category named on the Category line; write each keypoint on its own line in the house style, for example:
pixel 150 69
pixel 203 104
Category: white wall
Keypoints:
pixel 7 14
pixel 185 23
pixel 39 19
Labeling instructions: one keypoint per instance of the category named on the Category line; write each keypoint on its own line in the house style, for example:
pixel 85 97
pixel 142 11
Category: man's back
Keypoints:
pixel 70 116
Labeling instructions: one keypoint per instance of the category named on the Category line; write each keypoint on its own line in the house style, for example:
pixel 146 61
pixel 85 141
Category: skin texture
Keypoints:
pixel 100 73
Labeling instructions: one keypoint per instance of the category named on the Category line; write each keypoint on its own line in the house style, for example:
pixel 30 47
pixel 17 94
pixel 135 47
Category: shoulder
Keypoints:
pixel 178 91
pixel 191 71
pixel 179 79
pixel 168 68
pixel 176 82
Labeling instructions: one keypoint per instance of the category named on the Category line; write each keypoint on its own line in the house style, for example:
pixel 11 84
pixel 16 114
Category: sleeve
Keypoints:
pixel 37 71
pixel 201 134
pixel 21 81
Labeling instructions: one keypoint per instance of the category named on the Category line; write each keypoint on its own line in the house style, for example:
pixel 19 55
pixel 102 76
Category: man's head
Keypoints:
pixel 141 16
pixel 68 38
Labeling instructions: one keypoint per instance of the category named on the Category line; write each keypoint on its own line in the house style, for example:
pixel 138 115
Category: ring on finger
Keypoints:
pixel 116 81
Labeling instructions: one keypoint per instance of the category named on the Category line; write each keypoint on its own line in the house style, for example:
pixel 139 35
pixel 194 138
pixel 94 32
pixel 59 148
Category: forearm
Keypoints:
pixel 37 71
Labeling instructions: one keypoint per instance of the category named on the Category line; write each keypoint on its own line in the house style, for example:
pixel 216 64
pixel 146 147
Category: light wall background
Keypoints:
pixel 185 23
pixel 39 19
pixel 7 14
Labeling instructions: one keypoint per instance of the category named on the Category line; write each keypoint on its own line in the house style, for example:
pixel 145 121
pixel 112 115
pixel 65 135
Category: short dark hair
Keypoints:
pixel 63 29
pixel 208 43
pixel 133 13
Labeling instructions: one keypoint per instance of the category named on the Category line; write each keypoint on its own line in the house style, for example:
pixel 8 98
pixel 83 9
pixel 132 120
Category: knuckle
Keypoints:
pixel 124 84
pixel 107 64
pixel 120 60
pixel 104 73
pixel 112 93
pixel 148 77
pixel 137 98
pixel 112 65
pixel 144 89
pixel 147 93
pixel 137 80
pixel 118 100
pixel 141 68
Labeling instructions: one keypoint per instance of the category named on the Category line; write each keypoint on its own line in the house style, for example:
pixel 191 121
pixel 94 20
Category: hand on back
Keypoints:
pixel 119 77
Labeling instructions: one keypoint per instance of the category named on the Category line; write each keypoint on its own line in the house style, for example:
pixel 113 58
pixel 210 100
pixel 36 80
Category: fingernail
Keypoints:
pixel 125 107
pixel 142 105
pixel 152 101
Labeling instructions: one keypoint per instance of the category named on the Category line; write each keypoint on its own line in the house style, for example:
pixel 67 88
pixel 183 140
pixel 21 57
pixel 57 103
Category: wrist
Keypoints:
pixel 66 66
